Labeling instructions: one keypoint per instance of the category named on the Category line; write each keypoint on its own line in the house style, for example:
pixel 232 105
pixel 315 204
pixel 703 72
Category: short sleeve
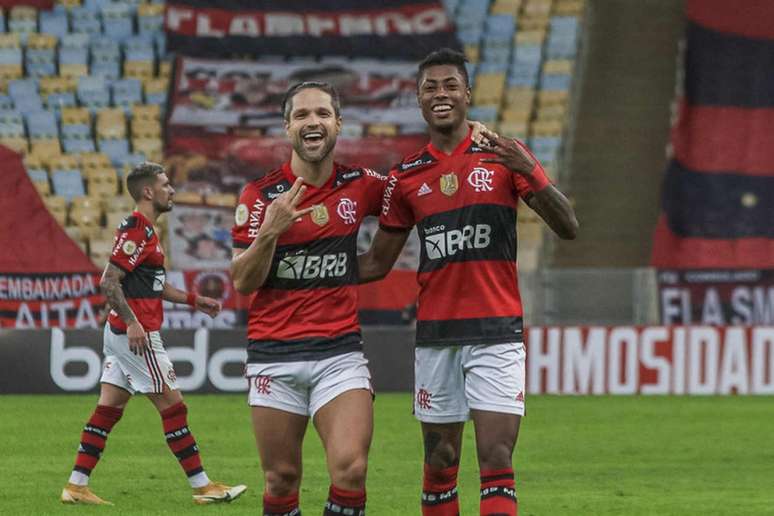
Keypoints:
pixel 374 191
pixel 131 246
pixel 248 217
pixel 396 213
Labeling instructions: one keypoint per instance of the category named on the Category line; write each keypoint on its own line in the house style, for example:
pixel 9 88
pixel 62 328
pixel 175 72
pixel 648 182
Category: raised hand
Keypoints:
pixel 283 212
pixel 510 153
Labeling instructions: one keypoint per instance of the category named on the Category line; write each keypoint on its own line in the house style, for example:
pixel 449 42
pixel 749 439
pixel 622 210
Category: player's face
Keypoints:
pixel 163 194
pixel 313 125
pixel 444 97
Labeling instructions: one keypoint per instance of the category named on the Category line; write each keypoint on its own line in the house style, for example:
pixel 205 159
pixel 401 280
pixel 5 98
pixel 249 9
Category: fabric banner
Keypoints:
pixel 45 278
pixel 718 191
pixel 717 296
pixel 234 94
pixel 391 28
pixel 595 360
pixel 200 237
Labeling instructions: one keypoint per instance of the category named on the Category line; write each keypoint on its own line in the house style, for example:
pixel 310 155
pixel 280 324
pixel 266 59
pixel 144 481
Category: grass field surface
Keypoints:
pixel 576 456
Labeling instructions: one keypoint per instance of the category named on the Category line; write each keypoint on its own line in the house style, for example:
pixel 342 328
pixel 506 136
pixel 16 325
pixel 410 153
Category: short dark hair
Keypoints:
pixel 287 101
pixel 444 56
pixel 141 176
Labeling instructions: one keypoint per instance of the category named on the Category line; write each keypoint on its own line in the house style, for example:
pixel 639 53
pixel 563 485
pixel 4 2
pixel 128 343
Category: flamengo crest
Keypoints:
pixel 346 210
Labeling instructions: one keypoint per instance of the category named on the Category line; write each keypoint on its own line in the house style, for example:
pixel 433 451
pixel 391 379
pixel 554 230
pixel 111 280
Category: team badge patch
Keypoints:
pixel 320 214
pixel 449 184
pixel 241 215
pixel 129 247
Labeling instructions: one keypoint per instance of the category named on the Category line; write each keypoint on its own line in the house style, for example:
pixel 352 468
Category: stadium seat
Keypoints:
pixel 138 69
pixel 126 93
pixel 11 123
pixel 102 183
pixel 57 101
pixel 146 112
pixel 511 7
pixel 23 20
pixel 547 128
pixel 188 197
pixel 39 178
pixel 117 20
pixel 42 125
pixel 114 148
pixel 6 103
pixel 85 21
pixel 93 93
pixel 513 129
pixel 57 206
pixel 40 58
pixel 99 251
pixel 10 56
pixel 150 18
pixel 16 143
pixel 488 90
pixel 53 22
pixel 225 200
pixel 146 129
pixel 111 123
pixel 94 160
pixel 155 91
pixel 68 184
pixel 46 148
pixel 152 148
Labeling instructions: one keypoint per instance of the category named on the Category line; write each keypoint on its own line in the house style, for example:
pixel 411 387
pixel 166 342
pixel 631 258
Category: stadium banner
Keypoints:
pixel 389 28
pixel 200 237
pixel 719 297
pixel 594 360
pixel 248 94
pixel 718 190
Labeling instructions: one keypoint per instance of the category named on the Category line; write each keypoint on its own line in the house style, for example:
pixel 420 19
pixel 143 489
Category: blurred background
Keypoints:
pixel 654 116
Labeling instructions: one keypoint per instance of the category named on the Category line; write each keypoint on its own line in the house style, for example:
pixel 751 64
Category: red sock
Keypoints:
pixel 281 505
pixel 94 436
pixel 498 493
pixel 439 492
pixel 343 501
pixel 180 439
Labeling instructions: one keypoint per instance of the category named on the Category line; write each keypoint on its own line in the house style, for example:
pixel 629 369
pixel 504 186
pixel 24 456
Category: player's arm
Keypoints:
pixel 204 304
pixel 110 283
pixel 547 201
pixel 385 248
pixel 250 267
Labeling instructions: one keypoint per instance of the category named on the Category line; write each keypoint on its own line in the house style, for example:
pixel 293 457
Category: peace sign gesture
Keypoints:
pixel 510 153
pixel 283 212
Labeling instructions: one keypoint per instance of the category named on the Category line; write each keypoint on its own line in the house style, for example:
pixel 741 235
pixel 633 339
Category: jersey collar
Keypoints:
pixel 460 149
pixel 290 176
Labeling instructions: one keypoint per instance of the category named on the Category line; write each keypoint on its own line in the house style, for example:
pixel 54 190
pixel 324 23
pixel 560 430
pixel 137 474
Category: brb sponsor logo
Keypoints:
pixel 481 179
pixel 448 243
pixel 309 266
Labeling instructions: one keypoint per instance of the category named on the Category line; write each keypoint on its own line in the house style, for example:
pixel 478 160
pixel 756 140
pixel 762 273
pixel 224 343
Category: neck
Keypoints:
pixel 316 173
pixel 448 141
pixel 148 212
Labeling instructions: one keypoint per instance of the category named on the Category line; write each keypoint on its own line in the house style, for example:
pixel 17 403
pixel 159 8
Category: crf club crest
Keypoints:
pixel 449 184
pixel 347 210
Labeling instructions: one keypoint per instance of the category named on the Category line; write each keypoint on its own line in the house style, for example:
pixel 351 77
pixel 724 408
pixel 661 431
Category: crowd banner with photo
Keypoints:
pixel 248 94
pixel 200 237
pixel 389 28
pixel 46 280
pixel 718 190
pixel 619 360
pixel 720 297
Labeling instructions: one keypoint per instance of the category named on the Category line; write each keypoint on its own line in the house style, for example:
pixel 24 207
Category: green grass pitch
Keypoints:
pixel 576 456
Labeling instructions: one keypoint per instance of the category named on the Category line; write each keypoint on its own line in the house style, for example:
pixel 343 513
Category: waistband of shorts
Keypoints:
pixel 302 350
pixel 462 332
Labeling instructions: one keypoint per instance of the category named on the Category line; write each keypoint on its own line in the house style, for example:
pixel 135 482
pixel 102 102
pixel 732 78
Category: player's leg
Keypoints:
pixel 115 393
pixel 279 401
pixel 494 387
pixel 341 403
pixel 439 404
pixel 154 375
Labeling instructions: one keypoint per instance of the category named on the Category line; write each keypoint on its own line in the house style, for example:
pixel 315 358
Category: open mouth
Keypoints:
pixel 442 109
pixel 313 137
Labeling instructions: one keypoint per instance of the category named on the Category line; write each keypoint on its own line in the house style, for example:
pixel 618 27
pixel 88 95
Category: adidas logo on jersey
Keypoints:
pixel 424 190
pixel 451 242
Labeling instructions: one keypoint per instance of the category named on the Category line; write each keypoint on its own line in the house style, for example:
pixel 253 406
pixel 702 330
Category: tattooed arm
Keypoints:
pixel 111 287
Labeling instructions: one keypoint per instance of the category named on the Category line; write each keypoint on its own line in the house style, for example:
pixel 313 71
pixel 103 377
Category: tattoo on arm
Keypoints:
pixel 111 287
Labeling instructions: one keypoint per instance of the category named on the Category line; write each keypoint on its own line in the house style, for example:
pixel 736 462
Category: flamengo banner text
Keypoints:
pixel 391 28
pixel 721 297
pixel 621 360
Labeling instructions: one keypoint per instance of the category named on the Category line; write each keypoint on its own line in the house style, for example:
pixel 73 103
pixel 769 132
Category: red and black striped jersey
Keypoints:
pixel 307 308
pixel 137 251
pixel 465 213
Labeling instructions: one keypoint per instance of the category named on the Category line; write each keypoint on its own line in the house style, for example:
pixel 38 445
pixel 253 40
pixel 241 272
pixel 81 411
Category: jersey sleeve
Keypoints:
pixel 521 185
pixel 374 191
pixel 131 246
pixel 396 213
pixel 248 217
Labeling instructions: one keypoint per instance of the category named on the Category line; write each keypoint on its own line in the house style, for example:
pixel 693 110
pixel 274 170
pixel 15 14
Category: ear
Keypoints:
pixel 468 95
pixel 286 123
pixel 147 192
pixel 339 122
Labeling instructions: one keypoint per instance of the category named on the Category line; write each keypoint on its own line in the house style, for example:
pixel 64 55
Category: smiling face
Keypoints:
pixel 312 124
pixel 444 97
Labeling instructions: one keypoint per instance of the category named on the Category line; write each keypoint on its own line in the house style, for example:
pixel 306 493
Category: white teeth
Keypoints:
pixel 442 108
pixel 312 136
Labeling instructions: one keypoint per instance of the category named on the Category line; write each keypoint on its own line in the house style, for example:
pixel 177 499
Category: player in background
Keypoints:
pixel 135 358
pixel 469 359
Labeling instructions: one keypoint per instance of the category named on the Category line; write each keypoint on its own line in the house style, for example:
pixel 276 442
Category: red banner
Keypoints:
pixel 651 360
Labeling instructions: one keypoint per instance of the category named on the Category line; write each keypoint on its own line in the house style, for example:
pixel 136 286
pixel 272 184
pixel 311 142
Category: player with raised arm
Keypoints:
pixel 469 361
pixel 135 358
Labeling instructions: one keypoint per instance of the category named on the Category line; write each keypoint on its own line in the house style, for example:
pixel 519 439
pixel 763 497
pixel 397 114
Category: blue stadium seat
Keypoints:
pixel 77 146
pixel 54 22
pixel 105 66
pixel 484 114
pixel 500 27
pixel 117 20
pixel 139 48
pixel 528 54
pixel 127 92
pixel 105 46
pixel 85 21
pixel 37 175
pixel 42 125
pixel 68 184
pixel 150 19
pixel 29 103
pixel 545 148
pixel 556 82
pixel 6 102
pixel 93 93
pixel 116 149
pixel 56 101
pixel 19 88
pixel 11 123
pixel 73 40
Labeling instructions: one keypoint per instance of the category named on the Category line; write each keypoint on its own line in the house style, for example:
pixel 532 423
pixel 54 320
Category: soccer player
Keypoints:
pixel 135 358
pixel 469 359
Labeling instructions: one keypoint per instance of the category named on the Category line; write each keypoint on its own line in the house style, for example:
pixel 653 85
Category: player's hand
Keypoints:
pixel 208 305
pixel 283 212
pixel 510 153
pixel 477 134
pixel 138 340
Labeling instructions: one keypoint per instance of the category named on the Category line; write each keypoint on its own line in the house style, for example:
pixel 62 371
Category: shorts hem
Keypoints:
pixel 502 409
pixel 350 385
pixel 285 407
pixel 122 387
pixel 442 419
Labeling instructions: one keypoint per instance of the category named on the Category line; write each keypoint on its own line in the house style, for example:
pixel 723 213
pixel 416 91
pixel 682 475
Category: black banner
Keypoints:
pixel 397 28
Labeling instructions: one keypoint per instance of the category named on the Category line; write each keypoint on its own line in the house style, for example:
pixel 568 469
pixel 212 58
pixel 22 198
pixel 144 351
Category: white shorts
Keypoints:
pixel 305 387
pixel 449 381
pixel 146 374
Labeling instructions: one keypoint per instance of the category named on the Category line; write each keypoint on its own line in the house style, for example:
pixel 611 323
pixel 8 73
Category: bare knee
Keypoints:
pixel 282 480
pixel 497 455
pixel 349 472
pixel 440 453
